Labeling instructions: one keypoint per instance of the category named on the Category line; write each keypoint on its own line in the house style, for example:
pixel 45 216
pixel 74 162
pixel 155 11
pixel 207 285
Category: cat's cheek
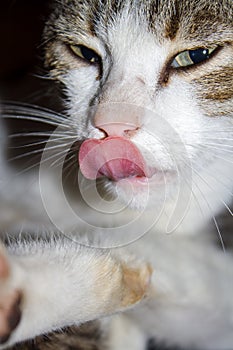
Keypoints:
pixel 143 193
pixel 81 87
pixel 81 83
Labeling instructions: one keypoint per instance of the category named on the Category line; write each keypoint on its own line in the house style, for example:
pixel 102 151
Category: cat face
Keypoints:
pixel 153 81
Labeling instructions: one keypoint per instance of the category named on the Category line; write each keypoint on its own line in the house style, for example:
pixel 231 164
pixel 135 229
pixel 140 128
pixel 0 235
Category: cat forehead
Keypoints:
pixel 190 19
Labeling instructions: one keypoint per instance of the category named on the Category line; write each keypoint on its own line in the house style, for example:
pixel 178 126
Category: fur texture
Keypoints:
pixel 182 125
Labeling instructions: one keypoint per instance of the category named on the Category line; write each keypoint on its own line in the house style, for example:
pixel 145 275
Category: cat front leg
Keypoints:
pixel 64 284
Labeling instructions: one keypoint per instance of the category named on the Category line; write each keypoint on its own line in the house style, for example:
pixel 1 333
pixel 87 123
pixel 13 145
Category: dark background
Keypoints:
pixel 22 73
pixel 21 49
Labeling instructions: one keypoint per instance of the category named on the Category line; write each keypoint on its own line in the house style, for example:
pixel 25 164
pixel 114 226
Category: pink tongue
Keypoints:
pixel 114 157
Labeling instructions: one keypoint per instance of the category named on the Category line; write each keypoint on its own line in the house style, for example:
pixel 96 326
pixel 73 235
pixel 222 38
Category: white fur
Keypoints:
pixel 191 304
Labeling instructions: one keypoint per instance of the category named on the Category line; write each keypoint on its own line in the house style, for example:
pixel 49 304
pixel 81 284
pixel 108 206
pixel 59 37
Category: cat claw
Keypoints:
pixel 10 312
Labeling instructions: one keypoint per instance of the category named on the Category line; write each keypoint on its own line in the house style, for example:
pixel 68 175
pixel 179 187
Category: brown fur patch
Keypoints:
pixel 136 283
pixel 172 26
pixel 217 85
pixel 194 20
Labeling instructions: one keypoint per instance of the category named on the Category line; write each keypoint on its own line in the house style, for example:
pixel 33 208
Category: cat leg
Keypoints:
pixel 64 284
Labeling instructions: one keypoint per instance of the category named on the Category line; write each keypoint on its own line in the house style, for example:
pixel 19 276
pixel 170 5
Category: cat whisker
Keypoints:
pixel 218 180
pixel 40 119
pixel 206 133
pixel 57 139
pixel 220 199
pixel 55 147
pixel 35 96
pixel 215 154
pixel 36 164
pixel 219 171
pixel 228 208
pixel 43 42
pixel 57 162
pixel 223 158
pixel 206 129
pixel 24 111
pixel 208 204
pixel 29 109
pixel 218 146
pixel 214 220
pixel 194 195
pixel 41 134
pixel 218 138
pixel 43 77
pixel 70 167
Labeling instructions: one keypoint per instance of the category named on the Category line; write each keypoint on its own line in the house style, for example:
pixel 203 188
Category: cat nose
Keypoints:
pixel 117 120
pixel 115 128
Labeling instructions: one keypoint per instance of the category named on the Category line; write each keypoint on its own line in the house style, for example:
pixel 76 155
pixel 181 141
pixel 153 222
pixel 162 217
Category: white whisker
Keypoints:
pixel 208 205
pixel 57 139
pixel 39 151
pixel 218 146
pixel 194 196
pixel 37 119
pixel 229 191
pixel 39 134
pixel 212 153
pixel 62 155
pixel 70 167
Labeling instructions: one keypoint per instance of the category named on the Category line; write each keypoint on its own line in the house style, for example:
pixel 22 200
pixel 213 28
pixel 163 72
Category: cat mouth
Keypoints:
pixel 114 157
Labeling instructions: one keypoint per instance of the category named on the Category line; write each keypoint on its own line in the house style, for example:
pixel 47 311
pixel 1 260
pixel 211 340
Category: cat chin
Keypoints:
pixel 143 193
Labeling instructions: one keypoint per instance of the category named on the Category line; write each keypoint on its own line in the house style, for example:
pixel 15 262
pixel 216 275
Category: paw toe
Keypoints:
pixel 137 282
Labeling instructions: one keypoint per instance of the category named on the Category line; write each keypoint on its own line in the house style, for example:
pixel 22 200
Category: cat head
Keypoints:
pixel 149 86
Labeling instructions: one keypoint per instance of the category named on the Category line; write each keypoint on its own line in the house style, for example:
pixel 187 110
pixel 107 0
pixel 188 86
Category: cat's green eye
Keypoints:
pixel 85 53
pixel 191 57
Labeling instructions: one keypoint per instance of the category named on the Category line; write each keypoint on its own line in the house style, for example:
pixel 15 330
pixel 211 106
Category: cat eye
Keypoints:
pixel 85 53
pixel 192 57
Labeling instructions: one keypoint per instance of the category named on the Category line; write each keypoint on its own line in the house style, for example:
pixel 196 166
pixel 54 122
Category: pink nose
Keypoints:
pixel 117 119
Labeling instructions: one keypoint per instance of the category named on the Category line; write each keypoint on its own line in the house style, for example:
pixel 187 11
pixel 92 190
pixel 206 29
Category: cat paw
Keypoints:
pixel 10 312
pixel 136 283
pixel 120 284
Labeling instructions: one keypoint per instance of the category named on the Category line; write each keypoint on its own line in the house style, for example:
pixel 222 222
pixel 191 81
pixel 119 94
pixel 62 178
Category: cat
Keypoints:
pixel 148 100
